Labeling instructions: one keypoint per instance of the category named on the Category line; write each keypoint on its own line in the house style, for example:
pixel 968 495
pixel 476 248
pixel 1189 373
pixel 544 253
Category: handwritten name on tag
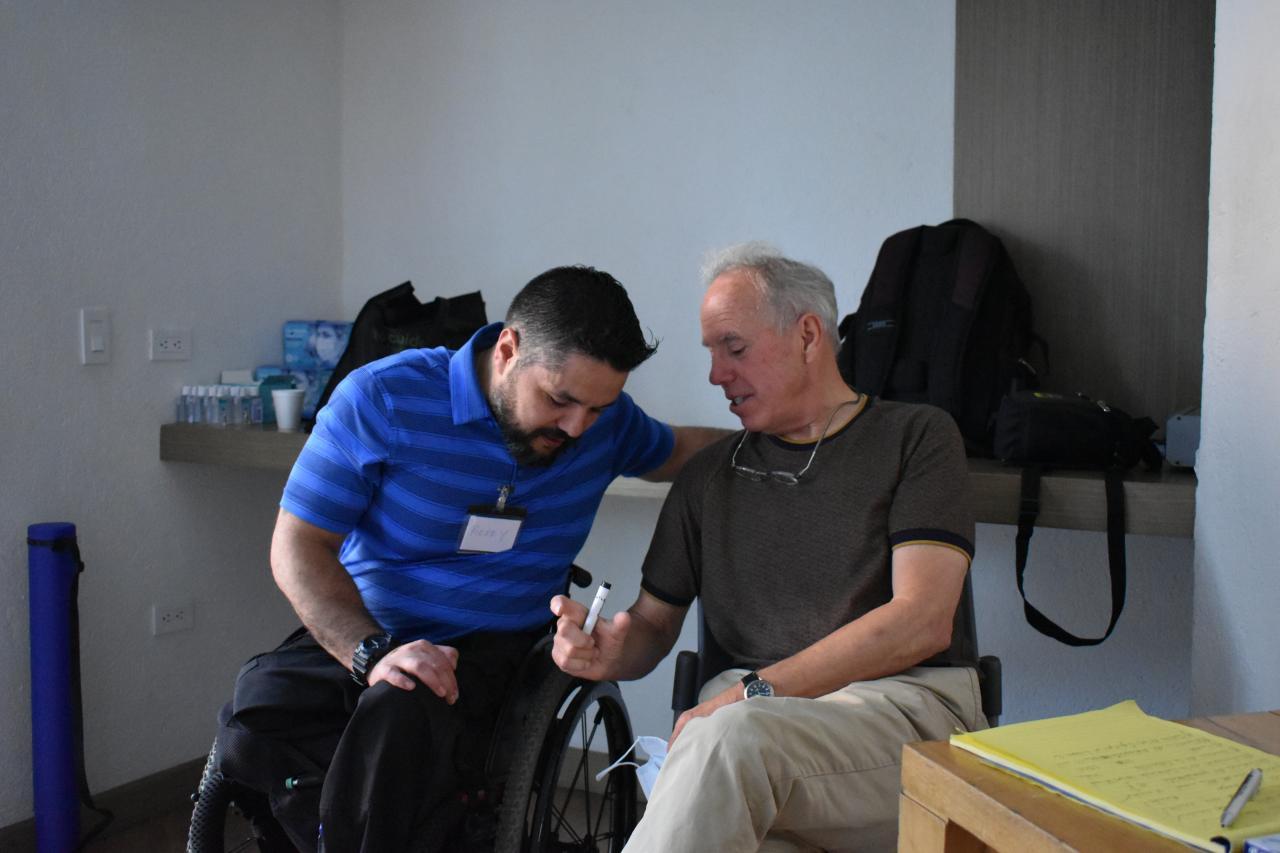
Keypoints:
pixel 489 534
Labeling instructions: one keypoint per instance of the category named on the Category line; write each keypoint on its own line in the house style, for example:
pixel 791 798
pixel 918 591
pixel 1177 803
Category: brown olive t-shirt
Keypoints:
pixel 778 567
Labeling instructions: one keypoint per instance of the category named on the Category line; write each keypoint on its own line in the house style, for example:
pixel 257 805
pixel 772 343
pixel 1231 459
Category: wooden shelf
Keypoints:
pixel 1161 503
pixel 239 447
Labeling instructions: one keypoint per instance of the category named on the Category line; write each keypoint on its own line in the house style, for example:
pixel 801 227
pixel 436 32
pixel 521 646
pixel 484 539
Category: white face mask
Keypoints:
pixel 647 773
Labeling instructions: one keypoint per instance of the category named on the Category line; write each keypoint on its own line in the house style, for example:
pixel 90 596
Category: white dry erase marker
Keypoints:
pixel 593 615
pixel 1252 782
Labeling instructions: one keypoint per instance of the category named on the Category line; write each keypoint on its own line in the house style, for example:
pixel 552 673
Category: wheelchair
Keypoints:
pixel 553 734
pixel 694 669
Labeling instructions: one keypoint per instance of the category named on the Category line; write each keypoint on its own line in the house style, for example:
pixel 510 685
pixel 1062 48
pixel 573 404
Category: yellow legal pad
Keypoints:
pixel 1167 777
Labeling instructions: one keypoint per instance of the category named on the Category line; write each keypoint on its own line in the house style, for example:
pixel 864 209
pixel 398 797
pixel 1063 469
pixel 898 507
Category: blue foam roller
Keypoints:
pixel 53 563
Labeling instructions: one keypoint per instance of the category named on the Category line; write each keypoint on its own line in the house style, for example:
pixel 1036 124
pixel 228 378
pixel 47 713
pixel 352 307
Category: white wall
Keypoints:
pixel 483 145
pixel 1237 595
pixel 176 162
pixel 1146 658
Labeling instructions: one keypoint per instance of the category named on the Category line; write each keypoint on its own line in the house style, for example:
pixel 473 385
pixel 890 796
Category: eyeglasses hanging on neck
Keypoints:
pixel 786 478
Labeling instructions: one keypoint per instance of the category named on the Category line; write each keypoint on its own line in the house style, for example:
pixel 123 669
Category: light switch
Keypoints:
pixel 95 335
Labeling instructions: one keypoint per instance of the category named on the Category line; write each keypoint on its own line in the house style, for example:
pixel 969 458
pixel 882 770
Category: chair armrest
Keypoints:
pixel 989 677
pixel 684 689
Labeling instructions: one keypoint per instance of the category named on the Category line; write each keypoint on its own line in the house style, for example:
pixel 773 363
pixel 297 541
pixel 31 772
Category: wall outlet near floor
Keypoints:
pixel 167 618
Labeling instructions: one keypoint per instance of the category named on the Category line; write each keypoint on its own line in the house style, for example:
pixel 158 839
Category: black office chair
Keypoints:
pixel 694 669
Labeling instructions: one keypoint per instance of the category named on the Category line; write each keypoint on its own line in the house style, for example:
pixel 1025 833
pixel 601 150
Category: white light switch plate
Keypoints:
pixel 95 335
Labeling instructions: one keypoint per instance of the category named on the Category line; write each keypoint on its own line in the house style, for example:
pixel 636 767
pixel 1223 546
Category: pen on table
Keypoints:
pixel 1252 782
pixel 602 592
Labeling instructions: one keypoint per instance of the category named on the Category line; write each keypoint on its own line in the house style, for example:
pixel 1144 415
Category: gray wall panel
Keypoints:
pixel 1082 139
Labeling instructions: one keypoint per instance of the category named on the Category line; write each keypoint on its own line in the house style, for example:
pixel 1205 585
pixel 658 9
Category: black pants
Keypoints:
pixel 374 764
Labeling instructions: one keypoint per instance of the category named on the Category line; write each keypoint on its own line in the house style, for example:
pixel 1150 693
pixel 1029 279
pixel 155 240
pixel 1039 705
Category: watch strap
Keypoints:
pixel 754 685
pixel 370 650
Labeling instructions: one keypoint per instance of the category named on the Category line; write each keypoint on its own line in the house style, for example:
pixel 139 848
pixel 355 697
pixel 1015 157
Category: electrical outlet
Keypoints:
pixel 169 344
pixel 167 618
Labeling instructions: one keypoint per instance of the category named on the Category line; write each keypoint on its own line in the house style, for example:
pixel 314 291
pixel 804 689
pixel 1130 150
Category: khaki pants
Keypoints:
pixel 786 774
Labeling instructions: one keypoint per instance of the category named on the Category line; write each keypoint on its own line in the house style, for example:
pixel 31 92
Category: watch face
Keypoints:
pixel 759 687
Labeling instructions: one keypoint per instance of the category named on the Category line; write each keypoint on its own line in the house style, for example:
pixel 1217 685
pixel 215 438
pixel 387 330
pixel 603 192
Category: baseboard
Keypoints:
pixel 132 803
pixel 168 790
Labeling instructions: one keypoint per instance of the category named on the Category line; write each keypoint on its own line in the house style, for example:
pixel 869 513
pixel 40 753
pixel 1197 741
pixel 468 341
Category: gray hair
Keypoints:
pixel 789 288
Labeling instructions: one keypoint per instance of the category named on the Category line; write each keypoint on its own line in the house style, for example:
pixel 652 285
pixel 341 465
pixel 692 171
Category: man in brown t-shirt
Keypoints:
pixel 828 544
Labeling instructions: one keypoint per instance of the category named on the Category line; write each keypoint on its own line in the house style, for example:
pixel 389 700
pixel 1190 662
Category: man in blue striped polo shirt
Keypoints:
pixel 430 518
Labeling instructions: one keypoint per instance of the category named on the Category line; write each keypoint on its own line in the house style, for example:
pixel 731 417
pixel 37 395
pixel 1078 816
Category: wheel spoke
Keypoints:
pixel 606 800
pixel 586 753
pixel 561 823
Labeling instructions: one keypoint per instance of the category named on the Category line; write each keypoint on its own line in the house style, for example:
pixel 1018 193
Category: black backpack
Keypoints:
pixel 944 320
pixel 395 320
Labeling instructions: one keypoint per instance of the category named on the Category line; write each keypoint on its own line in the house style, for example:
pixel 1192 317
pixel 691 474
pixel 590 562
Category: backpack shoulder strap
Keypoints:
pixel 977 254
pixel 874 332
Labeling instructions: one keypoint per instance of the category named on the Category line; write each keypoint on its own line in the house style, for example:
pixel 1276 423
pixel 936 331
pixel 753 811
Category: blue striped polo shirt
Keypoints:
pixel 406 445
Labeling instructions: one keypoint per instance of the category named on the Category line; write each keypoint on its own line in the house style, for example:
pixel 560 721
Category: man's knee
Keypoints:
pixel 742 732
pixel 392 703
pixel 787 738
pixel 395 716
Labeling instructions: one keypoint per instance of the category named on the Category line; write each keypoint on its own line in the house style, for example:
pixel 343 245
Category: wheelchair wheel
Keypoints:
pixel 230 817
pixel 551 802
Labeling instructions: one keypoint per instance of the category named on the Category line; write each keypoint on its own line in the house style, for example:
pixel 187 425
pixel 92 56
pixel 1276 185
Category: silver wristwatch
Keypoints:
pixel 754 685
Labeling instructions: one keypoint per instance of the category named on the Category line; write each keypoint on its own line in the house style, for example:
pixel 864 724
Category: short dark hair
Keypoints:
pixel 578 309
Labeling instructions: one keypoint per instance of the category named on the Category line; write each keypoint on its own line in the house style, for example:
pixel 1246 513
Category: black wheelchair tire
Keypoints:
pixel 528 819
pixel 215 799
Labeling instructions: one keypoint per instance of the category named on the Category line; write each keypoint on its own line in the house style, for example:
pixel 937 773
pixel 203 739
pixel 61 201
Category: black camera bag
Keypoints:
pixel 1040 430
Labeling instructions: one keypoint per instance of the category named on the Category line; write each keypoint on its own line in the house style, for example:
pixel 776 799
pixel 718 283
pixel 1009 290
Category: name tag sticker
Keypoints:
pixel 489 533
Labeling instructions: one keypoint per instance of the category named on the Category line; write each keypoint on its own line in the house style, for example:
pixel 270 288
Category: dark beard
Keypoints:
pixel 520 442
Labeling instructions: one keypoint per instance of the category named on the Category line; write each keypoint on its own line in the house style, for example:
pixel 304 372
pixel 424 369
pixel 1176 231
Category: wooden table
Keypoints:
pixel 952 801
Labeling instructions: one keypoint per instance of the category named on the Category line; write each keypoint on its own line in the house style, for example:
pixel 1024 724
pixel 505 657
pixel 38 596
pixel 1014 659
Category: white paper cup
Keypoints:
pixel 288 403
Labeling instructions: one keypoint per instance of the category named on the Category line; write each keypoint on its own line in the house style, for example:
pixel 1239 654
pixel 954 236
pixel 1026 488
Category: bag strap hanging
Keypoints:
pixel 1029 509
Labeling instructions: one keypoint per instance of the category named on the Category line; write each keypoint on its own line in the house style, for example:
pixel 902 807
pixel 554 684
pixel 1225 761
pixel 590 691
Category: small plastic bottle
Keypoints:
pixel 212 413
pixel 255 405
pixel 180 411
pixel 202 404
pixel 234 407
pixel 224 405
pixel 190 405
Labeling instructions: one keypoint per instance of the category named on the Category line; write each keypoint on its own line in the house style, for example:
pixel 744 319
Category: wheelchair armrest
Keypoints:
pixel 684 689
pixel 580 577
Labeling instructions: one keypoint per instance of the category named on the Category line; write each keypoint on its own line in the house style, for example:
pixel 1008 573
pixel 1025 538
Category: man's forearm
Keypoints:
pixel 688 441
pixel 323 595
pixel 646 645
pixel 915 624
pixel 883 642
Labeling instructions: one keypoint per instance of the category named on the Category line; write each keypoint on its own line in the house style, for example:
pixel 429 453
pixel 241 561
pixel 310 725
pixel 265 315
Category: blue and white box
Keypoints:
pixel 314 344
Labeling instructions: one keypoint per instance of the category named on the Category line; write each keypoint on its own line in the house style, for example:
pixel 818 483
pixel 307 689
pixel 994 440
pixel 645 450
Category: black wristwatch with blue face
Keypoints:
pixel 372 649
pixel 754 685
